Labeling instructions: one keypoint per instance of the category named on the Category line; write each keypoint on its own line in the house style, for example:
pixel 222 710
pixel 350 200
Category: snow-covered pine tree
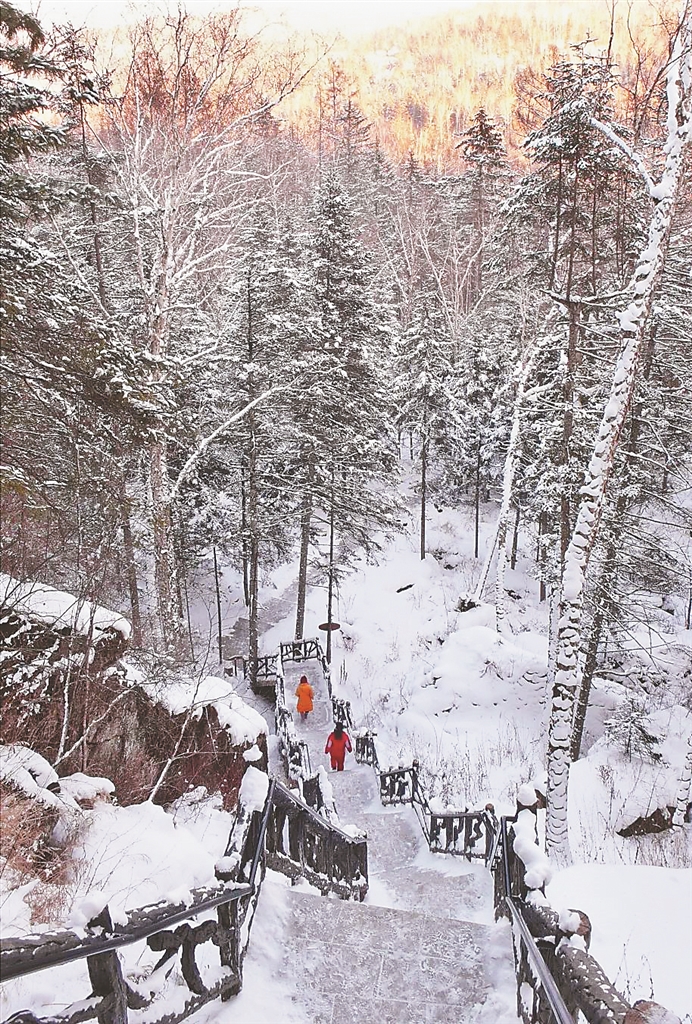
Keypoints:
pixel 347 441
pixel 482 147
pixel 571 200
pixel 426 407
pixel 58 510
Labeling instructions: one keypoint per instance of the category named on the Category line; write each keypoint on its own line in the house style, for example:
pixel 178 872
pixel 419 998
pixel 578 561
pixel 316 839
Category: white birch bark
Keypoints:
pixel 633 321
pixel 683 796
pixel 182 165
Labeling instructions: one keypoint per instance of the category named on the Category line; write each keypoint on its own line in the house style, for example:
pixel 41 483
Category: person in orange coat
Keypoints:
pixel 337 745
pixel 305 694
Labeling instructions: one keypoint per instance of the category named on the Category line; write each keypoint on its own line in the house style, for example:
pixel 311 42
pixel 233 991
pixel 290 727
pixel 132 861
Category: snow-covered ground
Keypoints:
pixel 441 685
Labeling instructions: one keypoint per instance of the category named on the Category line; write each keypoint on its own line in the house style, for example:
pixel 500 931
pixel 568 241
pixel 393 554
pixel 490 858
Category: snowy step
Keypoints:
pixel 399 860
pixel 378 965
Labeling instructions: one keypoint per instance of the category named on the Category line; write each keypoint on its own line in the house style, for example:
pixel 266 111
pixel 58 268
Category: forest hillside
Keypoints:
pixel 387 344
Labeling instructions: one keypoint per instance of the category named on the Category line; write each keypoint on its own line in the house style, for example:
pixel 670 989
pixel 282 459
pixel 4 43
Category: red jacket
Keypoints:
pixel 338 747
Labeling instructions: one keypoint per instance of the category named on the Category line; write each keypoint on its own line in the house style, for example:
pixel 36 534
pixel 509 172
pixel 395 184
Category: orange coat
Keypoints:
pixel 304 693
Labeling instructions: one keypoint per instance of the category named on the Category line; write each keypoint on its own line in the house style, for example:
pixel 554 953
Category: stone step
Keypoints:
pixel 399 859
pixel 376 965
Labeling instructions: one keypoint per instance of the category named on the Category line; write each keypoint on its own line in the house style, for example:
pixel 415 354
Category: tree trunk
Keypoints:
pixel 164 552
pixel 244 537
pixel 582 704
pixel 305 521
pixel 93 213
pixel 508 476
pixel 543 554
pixel 130 566
pixel 608 574
pixel 164 559
pixel 568 426
pixel 252 509
pixel 423 491
pixel 477 501
pixel 330 579
pixel 253 528
pixel 515 538
pixel 633 322
pixel 218 606
pixel 683 795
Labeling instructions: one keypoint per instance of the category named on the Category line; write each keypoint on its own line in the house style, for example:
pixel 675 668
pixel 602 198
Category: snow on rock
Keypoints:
pixel 253 754
pixel 30 773
pixel 241 721
pixel 59 609
pixel 612 785
pixel 86 788
pixel 17 761
pixel 253 790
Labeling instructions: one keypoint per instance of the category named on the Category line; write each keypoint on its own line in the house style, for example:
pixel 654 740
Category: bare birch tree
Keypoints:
pixel 632 327
pixel 177 138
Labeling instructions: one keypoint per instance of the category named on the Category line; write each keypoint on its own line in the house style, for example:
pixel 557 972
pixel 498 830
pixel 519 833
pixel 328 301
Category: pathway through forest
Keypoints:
pixel 423 947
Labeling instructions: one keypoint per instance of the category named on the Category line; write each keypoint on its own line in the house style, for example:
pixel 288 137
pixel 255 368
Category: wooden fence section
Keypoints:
pixel 301 843
pixel 287 835
pixel 300 650
pixel 341 712
pixel 469 834
pixel 556 979
pixel 269 665
pixel 167 929
pixel 365 752
pixel 294 751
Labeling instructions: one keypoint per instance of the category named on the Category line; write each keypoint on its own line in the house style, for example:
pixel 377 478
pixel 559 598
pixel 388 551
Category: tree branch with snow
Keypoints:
pixel 214 436
pixel 633 156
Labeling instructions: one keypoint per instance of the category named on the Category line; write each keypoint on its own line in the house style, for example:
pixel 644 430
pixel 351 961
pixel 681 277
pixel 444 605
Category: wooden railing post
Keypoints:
pixel 229 947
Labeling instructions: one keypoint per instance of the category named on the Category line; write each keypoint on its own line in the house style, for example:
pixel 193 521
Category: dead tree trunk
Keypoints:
pixel 130 566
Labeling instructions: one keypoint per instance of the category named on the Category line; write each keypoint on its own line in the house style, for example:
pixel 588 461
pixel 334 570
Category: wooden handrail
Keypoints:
pixel 552 993
pixel 78 948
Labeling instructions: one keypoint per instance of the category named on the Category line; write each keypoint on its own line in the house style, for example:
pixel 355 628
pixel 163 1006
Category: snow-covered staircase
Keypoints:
pixel 358 962
pixel 423 947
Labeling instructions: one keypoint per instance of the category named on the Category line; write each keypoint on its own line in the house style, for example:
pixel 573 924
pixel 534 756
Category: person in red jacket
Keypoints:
pixel 337 745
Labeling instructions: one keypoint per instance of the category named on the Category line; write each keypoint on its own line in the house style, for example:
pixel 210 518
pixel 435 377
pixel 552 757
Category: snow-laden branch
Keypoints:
pixel 215 435
pixel 630 153
pixel 633 322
